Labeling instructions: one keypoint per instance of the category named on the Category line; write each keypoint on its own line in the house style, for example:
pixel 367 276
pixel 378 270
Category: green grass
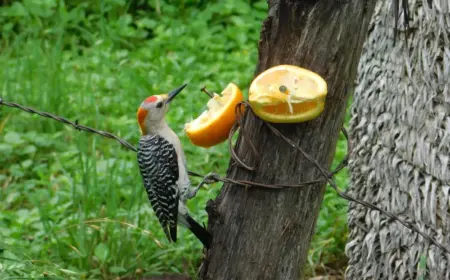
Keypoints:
pixel 72 203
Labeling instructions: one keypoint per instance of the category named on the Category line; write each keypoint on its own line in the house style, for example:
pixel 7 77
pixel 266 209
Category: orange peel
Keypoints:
pixel 287 94
pixel 213 125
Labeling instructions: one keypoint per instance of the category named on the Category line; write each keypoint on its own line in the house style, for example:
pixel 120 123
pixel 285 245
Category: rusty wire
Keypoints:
pixel 213 177
pixel 244 136
pixel 326 176
pixel 74 124
pixel 347 197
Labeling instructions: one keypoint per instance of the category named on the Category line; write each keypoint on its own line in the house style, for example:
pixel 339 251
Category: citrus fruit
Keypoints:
pixel 287 94
pixel 213 125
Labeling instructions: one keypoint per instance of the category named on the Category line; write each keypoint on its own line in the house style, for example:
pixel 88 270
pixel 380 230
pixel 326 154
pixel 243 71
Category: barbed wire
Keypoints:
pixel 74 124
pixel 212 177
pixel 347 197
pixel 129 146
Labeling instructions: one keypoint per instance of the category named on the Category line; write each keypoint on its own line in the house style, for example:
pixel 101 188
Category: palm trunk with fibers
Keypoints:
pixel 400 129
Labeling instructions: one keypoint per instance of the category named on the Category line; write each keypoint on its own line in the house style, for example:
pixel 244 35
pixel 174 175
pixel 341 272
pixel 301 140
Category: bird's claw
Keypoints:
pixel 210 178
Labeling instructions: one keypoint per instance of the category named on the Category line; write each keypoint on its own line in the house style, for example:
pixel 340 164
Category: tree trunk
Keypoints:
pixel 262 233
pixel 400 128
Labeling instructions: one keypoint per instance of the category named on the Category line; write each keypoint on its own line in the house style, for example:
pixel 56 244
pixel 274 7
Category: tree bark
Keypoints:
pixel 263 233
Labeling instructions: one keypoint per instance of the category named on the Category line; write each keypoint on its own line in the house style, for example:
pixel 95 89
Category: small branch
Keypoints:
pixel 207 92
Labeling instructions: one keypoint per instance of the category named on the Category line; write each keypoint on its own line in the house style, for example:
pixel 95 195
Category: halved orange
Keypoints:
pixel 287 94
pixel 213 125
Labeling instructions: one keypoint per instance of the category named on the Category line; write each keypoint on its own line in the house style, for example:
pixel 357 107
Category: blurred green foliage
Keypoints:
pixel 72 203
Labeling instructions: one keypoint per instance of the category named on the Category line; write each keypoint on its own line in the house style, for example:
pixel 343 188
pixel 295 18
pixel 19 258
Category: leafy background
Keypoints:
pixel 72 203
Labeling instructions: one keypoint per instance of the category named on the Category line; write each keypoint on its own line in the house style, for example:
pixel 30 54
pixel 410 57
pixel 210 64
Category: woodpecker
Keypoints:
pixel 162 165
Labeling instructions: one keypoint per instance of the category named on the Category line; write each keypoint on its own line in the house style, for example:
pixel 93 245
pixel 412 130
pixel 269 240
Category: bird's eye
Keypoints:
pixel 159 105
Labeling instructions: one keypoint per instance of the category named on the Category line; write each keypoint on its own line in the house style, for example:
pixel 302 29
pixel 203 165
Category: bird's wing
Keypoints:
pixel 158 165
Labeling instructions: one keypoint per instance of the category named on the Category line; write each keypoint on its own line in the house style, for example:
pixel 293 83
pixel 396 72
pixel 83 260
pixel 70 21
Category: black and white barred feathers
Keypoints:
pixel 158 165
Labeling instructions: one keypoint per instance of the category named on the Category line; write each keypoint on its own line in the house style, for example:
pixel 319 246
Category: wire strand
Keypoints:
pixel 326 176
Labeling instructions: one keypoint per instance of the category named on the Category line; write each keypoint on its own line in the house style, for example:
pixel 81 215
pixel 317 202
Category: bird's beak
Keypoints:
pixel 174 93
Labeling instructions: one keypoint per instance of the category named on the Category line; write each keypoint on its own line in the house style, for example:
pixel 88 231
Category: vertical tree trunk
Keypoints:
pixel 262 233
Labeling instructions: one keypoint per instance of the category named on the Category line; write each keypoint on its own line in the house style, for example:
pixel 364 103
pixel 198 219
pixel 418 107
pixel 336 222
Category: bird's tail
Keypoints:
pixel 200 232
